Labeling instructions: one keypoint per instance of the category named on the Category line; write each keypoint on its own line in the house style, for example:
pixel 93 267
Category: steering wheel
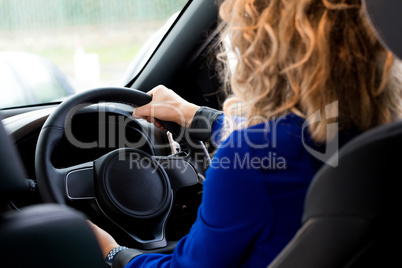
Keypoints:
pixel 131 189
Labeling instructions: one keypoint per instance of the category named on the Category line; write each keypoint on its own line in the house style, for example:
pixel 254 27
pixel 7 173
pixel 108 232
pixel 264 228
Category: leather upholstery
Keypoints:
pixel 48 236
pixel 386 19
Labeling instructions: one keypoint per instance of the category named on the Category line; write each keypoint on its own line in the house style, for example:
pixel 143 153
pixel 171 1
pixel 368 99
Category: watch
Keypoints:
pixel 110 256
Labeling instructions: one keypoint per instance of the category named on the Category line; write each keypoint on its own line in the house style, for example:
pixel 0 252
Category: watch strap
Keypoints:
pixel 124 257
pixel 112 254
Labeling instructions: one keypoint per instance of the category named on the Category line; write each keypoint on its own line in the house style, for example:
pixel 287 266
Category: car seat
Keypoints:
pixel 45 236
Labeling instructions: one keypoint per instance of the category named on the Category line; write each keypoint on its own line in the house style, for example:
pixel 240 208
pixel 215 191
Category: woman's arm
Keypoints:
pixel 205 123
pixel 236 208
pixel 166 105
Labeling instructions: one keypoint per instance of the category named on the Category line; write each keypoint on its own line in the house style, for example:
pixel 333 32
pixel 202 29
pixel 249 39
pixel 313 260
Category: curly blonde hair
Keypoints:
pixel 301 55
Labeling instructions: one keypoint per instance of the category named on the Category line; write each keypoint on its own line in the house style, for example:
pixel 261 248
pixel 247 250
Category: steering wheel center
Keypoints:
pixel 131 184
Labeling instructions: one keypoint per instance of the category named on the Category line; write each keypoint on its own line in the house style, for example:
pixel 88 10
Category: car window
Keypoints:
pixel 79 44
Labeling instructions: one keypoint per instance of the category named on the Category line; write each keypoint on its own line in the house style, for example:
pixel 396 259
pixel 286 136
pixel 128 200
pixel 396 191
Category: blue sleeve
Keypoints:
pixel 235 208
pixel 222 126
pixel 210 124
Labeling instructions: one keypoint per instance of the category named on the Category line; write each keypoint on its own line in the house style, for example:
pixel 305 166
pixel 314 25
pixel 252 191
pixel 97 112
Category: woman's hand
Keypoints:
pixel 166 105
pixel 106 241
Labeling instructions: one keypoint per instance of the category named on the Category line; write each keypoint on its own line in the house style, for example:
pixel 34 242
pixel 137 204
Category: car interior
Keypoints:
pixel 56 169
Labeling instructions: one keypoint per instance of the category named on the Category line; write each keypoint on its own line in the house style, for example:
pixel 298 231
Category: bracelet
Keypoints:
pixel 110 256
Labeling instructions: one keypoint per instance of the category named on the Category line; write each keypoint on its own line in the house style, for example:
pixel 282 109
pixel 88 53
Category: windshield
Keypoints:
pixel 52 49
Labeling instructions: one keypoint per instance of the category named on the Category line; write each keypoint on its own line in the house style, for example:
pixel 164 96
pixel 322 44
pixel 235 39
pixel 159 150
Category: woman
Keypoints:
pixel 296 58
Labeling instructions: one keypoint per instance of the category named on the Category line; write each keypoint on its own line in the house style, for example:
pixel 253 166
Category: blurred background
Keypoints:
pixel 91 42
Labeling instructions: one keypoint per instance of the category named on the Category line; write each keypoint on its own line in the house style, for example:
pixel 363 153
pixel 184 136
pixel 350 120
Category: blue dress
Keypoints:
pixel 252 201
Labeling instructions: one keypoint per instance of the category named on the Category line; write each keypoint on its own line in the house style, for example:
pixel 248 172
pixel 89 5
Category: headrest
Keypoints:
pixel 386 18
pixel 12 172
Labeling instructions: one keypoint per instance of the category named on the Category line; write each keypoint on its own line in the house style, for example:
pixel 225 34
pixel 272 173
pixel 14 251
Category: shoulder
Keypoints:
pixel 267 145
pixel 282 135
